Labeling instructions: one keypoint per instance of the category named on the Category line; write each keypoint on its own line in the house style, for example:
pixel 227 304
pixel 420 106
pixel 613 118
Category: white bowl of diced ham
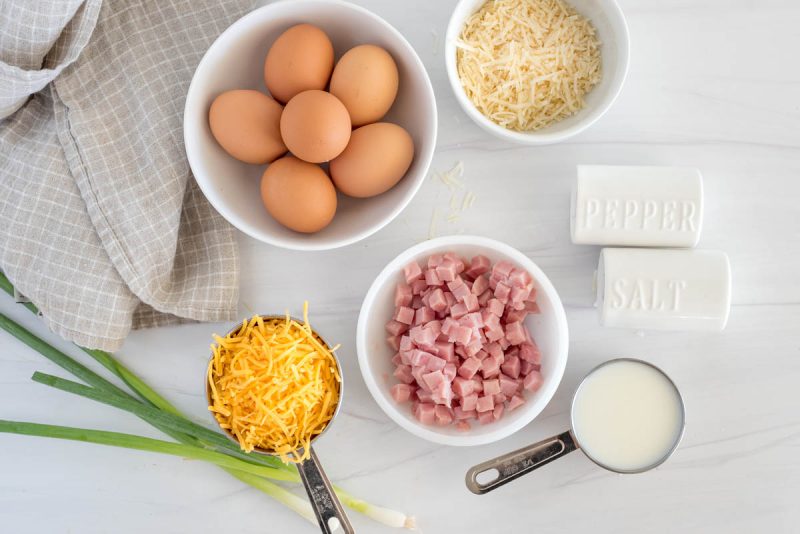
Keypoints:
pixel 462 340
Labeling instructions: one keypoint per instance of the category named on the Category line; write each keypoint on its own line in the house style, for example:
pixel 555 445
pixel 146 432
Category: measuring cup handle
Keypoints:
pixel 324 501
pixel 520 462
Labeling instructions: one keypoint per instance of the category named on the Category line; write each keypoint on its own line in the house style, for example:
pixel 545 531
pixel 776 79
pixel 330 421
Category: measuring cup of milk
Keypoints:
pixel 627 416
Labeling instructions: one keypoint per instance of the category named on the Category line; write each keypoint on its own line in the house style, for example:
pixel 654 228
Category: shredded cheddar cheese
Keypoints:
pixel 526 64
pixel 274 385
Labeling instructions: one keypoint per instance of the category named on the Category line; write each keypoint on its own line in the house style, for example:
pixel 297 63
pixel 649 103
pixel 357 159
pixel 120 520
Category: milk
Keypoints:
pixel 627 416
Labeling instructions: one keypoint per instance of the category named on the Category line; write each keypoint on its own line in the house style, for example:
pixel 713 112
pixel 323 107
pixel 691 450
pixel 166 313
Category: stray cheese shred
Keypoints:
pixel 526 64
pixel 274 385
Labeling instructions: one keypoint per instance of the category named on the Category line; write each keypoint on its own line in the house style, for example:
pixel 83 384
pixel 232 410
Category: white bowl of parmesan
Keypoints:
pixel 536 72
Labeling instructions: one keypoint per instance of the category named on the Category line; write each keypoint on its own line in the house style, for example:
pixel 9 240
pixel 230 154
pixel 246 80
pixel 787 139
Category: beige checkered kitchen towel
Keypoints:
pixel 101 224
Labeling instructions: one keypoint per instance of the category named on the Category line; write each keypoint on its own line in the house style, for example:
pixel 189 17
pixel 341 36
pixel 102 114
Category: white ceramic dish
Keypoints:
pixel 235 61
pixel 607 18
pixel 549 330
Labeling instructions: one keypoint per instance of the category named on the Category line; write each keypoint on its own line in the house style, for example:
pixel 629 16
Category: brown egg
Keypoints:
pixel 376 158
pixel 247 125
pixel 365 80
pixel 299 195
pixel 315 126
pixel 301 58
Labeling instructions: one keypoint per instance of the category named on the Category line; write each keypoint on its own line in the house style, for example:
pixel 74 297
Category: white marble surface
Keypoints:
pixel 712 84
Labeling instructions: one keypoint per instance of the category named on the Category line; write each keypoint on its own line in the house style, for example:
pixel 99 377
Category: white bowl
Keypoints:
pixel 607 18
pixel 235 61
pixel 549 330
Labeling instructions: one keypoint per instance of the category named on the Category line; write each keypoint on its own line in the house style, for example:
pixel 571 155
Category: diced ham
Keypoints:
pixel 480 285
pixel 394 342
pixel 445 350
pixel 463 426
pixel 491 387
pixel 449 324
pixel 433 379
pixel 513 315
pixel 491 321
pixel 458 310
pixel 402 294
pixel 412 272
pixel 511 366
pixel 460 414
pixel 434 260
pixel 469 402
pixel 402 392
pixel 425 413
pixel 460 334
pixel 472 320
pixel 449 371
pixel 495 334
pixel 494 350
pixel 463 387
pixel 471 302
pixel 396 328
pixel 477 384
pixel 436 300
pixel 443 415
pixel 515 402
pixel 486 417
pixel 418 358
pixel 485 404
pixel 461 350
pixel 533 381
pixel 423 315
pixel 495 307
pixel 530 353
pixel 432 278
pixel 508 386
pixel 403 374
pixel 473 348
pixel 498 411
pixel 404 315
pixel 532 307
pixel 502 269
pixel 519 278
pixel 469 367
pixel 433 325
pixel 515 333
pixel 418 286
pixel 423 337
pixel 501 292
pixel 447 270
pixel 479 265
pixel 489 368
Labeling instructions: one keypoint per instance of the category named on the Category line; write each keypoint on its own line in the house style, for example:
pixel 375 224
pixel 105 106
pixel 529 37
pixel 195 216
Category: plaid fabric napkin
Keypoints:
pixel 101 223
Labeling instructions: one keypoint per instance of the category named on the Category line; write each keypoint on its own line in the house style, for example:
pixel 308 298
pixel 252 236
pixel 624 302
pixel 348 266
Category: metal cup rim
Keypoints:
pixel 316 334
pixel 666 456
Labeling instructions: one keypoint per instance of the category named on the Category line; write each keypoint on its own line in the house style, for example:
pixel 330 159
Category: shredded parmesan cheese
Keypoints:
pixel 526 64
pixel 274 385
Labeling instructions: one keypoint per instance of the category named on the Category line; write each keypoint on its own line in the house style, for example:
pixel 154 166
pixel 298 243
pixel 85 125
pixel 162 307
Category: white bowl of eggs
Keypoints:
pixel 310 124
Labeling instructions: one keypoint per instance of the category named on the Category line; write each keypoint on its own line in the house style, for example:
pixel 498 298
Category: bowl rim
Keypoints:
pixel 296 242
pixel 538 137
pixel 533 408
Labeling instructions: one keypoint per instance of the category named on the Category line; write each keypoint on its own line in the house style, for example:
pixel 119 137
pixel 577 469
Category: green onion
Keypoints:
pixel 194 440
pixel 129 441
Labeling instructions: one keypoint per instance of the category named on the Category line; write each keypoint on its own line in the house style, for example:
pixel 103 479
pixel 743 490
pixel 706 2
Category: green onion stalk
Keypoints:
pixel 194 441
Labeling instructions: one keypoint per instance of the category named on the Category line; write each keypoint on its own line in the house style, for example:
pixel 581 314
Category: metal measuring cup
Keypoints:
pixel 323 499
pixel 522 461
